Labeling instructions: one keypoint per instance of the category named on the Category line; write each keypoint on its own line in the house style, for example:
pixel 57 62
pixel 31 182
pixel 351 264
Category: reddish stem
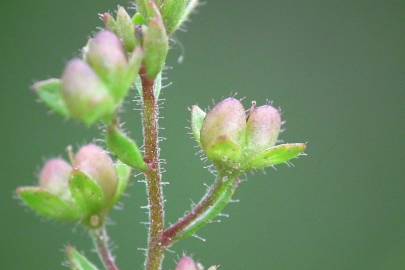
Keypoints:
pixel 100 238
pixel 153 178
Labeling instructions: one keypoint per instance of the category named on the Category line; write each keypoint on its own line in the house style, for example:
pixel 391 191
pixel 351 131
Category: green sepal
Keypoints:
pixel 50 92
pixel 225 152
pixel 156 45
pixel 276 155
pixel 77 261
pixel 123 173
pixel 197 120
pixel 127 79
pixel 173 13
pixel 48 205
pixel 125 148
pixel 87 194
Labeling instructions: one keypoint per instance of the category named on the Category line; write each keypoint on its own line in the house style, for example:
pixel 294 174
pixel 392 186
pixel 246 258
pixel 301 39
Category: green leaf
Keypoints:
pixel 156 45
pixel 124 174
pixel 48 205
pixel 276 155
pixel 197 120
pixel 87 194
pixel 125 148
pixel 77 261
pixel 173 13
pixel 50 92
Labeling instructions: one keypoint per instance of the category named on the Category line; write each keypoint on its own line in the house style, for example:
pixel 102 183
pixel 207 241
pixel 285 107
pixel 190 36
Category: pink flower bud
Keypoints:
pixel 106 55
pixel 263 128
pixel 84 93
pixel 186 263
pixel 97 164
pixel 222 133
pixel 54 177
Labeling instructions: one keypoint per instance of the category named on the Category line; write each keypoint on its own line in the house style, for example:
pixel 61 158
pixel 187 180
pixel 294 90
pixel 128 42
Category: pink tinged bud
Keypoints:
pixel 263 128
pixel 85 95
pixel 186 263
pixel 97 164
pixel 106 55
pixel 222 133
pixel 54 177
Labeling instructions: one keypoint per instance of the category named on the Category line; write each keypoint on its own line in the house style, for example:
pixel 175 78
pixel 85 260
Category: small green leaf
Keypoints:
pixel 48 205
pixel 50 92
pixel 124 174
pixel 156 45
pixel 173 13
pixel 197 120
pixel 125 148
pixel 77 261
pixel 276 155
pixel 87 194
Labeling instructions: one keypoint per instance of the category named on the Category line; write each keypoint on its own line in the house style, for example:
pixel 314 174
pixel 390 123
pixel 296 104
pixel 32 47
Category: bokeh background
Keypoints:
pixel 337 69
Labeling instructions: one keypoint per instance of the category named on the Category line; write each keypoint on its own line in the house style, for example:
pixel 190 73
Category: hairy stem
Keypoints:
pixel 100 239
pixel 210 206
pixel 155 253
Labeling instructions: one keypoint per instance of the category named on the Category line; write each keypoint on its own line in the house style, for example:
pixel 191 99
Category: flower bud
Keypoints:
pixel 126 29
pixel 97 164
pixel 85 95
pixel 186 263
pixel 155 43
pixel 54 177
pixel 263 128
pixel 222 133
pixel 106 55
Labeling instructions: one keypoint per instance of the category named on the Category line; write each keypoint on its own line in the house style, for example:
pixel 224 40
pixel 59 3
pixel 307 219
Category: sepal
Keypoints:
pixel 123 174
pixel 197 120
pixel 275 155
pixel 50 92
pixel 48 205
pixel 125 148
pixel 87 194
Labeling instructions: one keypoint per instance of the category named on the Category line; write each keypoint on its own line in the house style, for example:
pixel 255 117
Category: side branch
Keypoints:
pixel 100 239
pixel 153 178
pixel 210 206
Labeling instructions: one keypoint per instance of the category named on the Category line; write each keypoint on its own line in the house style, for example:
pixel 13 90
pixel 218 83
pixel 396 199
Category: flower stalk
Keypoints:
pixel 100 240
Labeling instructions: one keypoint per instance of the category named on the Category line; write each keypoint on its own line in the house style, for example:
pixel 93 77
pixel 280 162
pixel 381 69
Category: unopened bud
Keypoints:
pixel 263 128
pixel 186 263
pixel 125 29
pixel 222 133
pixel 85 95
pixel 155 43
pixel 54 177
pixel 106 55
pixel 97 164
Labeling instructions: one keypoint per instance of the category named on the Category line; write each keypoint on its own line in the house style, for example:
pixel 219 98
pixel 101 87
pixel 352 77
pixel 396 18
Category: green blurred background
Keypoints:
pixel 335 67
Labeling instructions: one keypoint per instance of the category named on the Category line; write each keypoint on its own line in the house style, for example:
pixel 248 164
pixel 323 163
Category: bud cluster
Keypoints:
pixel 92 88
pixel 85 190
pixel 233 139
